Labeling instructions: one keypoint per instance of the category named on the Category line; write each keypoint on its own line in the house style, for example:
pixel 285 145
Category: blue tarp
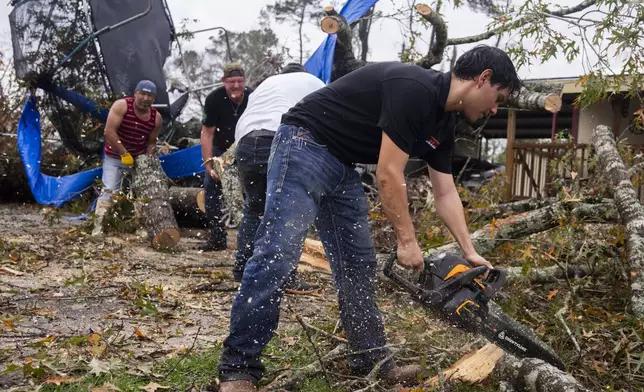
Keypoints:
pixel 56 191
pixel 321 62
pixel 83 103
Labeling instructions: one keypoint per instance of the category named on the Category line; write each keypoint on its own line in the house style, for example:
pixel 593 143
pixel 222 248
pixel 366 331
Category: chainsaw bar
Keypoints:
pixel 516 338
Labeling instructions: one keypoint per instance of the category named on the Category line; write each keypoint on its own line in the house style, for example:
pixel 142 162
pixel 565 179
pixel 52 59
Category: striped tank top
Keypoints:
pixel 133 132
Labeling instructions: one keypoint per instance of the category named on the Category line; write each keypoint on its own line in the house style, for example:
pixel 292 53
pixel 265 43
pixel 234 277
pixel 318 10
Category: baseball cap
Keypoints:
pixel 233 69
pixel 146 86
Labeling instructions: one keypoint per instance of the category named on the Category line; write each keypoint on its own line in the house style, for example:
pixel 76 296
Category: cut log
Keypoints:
pixel 187 198
pixel 629 207
pixel 330 24
pixel 150 185
pixel 531 100
pixel 189 206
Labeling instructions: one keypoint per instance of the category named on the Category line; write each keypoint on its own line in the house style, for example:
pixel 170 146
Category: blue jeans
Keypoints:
pixel 306 185
pixel 214 201
pixel 253 151
pixel 113 172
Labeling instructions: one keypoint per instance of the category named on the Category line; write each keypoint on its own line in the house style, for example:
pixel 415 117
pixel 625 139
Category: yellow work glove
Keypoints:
pixel 127 159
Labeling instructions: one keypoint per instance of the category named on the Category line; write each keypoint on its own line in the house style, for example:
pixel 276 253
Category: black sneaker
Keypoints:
pixel 212 247
pixel 295 285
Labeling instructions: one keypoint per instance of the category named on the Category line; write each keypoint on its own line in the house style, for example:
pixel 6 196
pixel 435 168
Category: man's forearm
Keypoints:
pixel 152 146
pixel 450 209
pixel 206 148
pixel 114 142
pixel 393 195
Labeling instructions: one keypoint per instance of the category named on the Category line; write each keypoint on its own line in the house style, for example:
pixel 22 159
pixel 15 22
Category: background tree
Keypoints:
pixel 296 13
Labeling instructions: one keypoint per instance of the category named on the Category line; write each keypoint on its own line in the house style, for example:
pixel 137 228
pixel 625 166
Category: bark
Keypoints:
pixel 231 188
pixel 344 60
pixel 629 207
pixel 510 208
pixel 530 374
pixel 532 100
pixel 150 185
pixel 548 274
pixel 187 198
pixel 189 206
pixel 435 54
pixel 489 237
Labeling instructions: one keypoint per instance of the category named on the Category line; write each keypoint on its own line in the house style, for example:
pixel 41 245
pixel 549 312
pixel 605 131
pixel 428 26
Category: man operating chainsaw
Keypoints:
pixel 382 114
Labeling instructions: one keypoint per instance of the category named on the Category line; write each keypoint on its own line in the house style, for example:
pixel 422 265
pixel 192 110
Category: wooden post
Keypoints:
pixel 509 154
pixel 575 125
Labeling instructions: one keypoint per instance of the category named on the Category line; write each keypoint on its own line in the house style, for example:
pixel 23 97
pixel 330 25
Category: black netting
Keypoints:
pixel 138 49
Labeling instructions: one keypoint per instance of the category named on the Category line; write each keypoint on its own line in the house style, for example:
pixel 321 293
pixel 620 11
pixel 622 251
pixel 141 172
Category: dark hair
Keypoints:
pixel 473 62
pixel 293 67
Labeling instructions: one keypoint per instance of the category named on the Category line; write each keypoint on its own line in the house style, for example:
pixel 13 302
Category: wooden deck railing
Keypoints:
pixel 538 165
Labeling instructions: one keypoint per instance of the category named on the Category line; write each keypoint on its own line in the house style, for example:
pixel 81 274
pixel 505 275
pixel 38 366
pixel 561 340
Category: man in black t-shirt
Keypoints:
pixel 381 114
pixel 222 109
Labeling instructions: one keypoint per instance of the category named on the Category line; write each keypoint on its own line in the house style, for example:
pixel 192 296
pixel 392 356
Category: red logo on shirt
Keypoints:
pixel 433 143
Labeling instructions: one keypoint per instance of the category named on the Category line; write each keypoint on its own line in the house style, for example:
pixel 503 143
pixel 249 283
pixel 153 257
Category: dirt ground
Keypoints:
pixel 59 282
pixel 65 294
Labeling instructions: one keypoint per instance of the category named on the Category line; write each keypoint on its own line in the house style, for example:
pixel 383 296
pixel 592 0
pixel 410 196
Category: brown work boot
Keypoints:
pixel 406 375
pixel 237 386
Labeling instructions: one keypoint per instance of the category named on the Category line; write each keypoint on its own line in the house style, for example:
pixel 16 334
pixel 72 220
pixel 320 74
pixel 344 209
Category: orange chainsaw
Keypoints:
pixel 450 287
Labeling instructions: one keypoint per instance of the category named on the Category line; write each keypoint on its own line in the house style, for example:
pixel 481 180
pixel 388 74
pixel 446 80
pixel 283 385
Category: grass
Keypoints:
pixel 198 369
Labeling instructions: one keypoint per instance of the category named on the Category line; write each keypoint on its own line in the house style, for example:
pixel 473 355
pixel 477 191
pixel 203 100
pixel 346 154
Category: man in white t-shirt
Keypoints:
pixel 254 135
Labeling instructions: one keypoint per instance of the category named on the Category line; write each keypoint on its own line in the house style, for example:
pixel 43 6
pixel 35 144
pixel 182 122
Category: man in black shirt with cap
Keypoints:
pixel 222 110
pixel 381 114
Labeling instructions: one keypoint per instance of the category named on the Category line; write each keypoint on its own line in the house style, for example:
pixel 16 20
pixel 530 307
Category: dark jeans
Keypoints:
pixel 306 185
pixel 252 155
pixel 214 204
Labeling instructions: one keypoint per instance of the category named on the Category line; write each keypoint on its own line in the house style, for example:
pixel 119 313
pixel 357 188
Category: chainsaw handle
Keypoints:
pixel 389 272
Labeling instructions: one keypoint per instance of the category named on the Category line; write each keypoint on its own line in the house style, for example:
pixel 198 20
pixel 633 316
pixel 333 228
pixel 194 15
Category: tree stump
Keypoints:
pixel 150 185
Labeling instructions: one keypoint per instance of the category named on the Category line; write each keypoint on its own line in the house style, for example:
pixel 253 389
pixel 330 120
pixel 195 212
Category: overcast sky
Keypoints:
pixel 385 39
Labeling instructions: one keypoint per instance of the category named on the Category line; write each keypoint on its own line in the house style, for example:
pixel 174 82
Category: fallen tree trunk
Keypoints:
pixel 510 208
pixel 629 207
pixel 528 374
pixel 150 185
pixel 518 226
pixel 547 274
pixel 535 375
pixel 189 206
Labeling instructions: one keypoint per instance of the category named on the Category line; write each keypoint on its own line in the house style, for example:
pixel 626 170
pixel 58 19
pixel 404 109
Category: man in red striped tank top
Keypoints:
pixel 132 128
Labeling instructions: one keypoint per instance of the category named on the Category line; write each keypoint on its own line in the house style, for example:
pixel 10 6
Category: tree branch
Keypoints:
pixel 488 34
pixel 435 54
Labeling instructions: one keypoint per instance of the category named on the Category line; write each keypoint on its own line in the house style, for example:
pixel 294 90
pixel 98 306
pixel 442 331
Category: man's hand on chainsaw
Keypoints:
pixel 476 260
pixel 410 256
